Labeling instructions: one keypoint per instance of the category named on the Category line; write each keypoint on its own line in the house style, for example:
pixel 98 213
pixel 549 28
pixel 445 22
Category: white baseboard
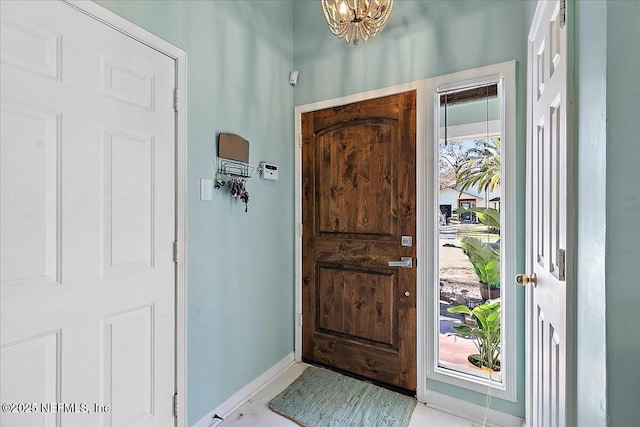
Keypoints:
pixel 471 411
pixel 240 397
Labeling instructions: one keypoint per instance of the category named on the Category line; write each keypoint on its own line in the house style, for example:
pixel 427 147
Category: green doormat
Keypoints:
pixel 322 398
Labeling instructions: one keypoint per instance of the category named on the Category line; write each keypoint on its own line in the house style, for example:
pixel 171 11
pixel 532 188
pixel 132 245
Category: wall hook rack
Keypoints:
pixel 234 169
pixel 233 166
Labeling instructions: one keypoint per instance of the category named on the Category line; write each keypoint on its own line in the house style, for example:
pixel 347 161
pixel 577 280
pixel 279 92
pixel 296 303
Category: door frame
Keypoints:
pixel 425 267
pixel 571 209
pixel 179 56
pixel 421 139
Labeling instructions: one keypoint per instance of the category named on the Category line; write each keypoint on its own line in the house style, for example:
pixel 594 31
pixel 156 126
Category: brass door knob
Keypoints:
pixel 524 280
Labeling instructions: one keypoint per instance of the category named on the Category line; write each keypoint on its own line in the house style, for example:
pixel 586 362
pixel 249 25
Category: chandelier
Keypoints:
pixel 356 20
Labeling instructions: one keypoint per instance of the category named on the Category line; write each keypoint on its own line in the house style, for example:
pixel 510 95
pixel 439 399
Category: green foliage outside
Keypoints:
pixel 486 335
pixel 485 261
pixel 484 257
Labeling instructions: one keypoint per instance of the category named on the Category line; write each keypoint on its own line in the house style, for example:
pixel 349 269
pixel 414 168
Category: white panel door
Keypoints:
pixel 87 222
pixel 547 217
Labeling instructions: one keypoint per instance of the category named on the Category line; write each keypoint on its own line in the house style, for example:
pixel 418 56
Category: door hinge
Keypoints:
pixel 175 99
pixel 300 228
pixel 175 251
pixel 300 140
pixel 300 320
pixel 562 264
pixel 175 405
pixel 563 13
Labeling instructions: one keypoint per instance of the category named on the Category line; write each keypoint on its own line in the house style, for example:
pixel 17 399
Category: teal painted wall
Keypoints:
pixel 608 106
pixel 622 205
pixel 591 101
pixel 422 39
pixel 240 269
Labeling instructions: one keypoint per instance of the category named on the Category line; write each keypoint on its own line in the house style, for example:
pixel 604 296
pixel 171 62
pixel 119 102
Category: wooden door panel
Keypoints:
pixel 385 367
pixel 357 304
pixel 356 158
pixel 358 200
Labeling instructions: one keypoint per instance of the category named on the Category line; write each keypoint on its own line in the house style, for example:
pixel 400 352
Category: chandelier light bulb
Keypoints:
pixel 343 8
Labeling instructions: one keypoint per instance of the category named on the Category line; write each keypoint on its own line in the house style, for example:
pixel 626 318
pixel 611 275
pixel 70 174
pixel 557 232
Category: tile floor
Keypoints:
pixel 256 413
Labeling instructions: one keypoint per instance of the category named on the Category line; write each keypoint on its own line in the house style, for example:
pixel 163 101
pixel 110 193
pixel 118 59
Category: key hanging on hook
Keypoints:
pixel 235 187
pixel 245 199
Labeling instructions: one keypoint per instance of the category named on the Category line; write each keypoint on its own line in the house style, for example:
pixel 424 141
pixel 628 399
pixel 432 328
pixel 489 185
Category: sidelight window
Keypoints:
pixel 471 296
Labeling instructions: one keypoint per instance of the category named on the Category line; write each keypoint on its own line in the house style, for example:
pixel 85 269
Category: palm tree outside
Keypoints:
pixel 480 168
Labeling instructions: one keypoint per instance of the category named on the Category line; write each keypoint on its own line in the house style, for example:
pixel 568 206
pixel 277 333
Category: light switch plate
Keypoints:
pixel 206 189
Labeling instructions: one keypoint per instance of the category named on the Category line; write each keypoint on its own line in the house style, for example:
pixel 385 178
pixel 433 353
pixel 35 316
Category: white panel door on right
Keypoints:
pixel 87 222
pixel 547 220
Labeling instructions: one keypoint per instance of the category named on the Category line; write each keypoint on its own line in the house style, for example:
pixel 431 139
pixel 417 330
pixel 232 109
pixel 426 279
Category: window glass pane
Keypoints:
pixel 469 230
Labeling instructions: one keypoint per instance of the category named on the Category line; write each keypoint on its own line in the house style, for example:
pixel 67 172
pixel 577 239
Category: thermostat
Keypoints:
pixel 269 171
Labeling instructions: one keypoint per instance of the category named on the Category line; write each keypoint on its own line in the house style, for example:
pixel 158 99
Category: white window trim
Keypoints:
pixel 180 57
pixel 504 73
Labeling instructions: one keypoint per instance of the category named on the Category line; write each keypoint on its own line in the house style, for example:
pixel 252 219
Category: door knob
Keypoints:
pixel 524 280
pixel 405 262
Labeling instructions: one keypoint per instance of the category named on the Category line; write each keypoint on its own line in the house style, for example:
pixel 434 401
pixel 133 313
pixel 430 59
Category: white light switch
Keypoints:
pixel 206 189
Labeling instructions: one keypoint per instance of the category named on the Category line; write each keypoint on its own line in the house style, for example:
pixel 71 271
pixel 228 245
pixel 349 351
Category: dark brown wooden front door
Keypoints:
pixel 359 178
